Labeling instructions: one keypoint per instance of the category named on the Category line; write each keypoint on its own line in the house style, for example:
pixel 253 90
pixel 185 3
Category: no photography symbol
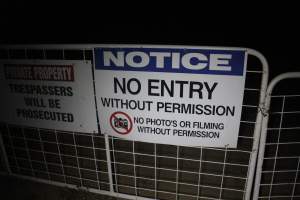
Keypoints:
pixel 121 123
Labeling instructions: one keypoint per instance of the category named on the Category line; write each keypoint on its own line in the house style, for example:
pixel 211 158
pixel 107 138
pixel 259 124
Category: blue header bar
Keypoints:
pixel 172 60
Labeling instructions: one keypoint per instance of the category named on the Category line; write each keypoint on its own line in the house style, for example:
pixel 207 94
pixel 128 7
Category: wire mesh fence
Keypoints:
pixel 137 169
pixel 279 159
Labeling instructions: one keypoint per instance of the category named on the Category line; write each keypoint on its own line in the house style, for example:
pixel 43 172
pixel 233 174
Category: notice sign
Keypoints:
pixel 190 96
pixel 52 94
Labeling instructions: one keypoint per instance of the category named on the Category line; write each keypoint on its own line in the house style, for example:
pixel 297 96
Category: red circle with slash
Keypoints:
pixel 121 123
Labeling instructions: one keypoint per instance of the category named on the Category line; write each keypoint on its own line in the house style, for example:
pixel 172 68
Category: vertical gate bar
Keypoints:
pixel 277 145
pixel 76 154
pixel 13 148
pixel 295 180
pixel 258 122
pixel 134 168
pixel 95 159
pixel 199 178
pixel 59 153
pixel 108 158
pixel 3 150
pixel 223 172
pixel 27 151
pixel 261 147
pixel 43 150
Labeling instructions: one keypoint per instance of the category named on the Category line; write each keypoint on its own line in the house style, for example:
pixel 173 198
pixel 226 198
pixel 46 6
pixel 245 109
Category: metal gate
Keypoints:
pixel 136 170
pixel 278 165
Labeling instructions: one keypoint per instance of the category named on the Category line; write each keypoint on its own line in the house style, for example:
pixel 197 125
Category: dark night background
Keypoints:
pixel 271 29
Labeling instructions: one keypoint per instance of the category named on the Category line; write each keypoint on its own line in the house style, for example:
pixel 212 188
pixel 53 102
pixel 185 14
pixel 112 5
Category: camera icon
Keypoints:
pixel 121 123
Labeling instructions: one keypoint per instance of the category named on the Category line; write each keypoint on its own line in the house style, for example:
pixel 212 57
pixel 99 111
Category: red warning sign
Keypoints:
pixel 121 123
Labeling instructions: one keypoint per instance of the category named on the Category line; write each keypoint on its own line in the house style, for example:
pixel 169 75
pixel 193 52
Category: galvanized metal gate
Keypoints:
pixel 136 170
pixel 277 175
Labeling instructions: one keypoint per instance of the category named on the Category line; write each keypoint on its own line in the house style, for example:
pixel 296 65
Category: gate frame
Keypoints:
pixel 264 127
pixel 256 132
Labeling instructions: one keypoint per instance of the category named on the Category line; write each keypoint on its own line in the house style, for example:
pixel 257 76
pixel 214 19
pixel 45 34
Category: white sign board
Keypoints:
pixel 52 94
pixel 190 96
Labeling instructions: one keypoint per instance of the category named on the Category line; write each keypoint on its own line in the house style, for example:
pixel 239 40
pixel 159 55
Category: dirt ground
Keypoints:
pixel 19 189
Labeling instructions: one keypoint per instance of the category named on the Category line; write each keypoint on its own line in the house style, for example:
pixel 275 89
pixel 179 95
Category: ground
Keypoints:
pixel 19 189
